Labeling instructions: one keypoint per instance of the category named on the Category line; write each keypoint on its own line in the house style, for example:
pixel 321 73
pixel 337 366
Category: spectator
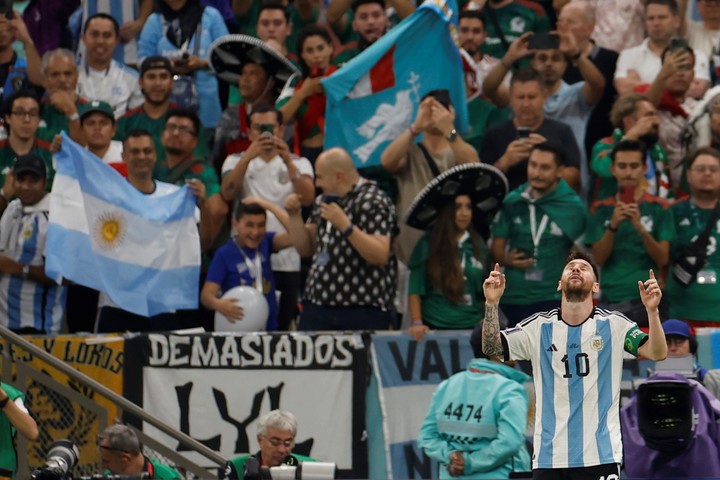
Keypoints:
pixel 619 23
pixel 352 279
pixel 47 21
pixel 369 23
pixel 131 18
pixel 695 259
pixel 577 356
pixel 22 118
pixel 121 453
pixel 507 150
pixel 276 438
pixel 641 64
pixel 703 123
pixel 514 18
pixel 704 35
pixel 17 72
pixel 97 120
pixel 538 223
pixel 179 138
pixel 14 417
pixel 30 302
pixel 578 17
pixel 669 93
pixel 139 157
pixel 59 110
pixel 481 113
pixel 630 233
pixel 341 16
pixel 415 164
pixel 183 31
pixel 681 342
pixel 156 82
pixel 569 103
pixel 245 260
pixel 487 438
pixel 277 22
pixel 259 73
pixel 268 170
pixel 102 78
pixel 634 118
pixel 303 98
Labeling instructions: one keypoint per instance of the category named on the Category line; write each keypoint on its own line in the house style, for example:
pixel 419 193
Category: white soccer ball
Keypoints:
pixel 255 310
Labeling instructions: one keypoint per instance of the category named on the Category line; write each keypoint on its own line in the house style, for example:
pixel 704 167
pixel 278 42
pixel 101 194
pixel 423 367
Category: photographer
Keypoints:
pixel 276 439
pixel 14 417
pixel 121 453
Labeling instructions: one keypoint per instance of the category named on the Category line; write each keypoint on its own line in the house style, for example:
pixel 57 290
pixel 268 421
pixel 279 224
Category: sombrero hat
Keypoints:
pixel 228 55
pixel 484 184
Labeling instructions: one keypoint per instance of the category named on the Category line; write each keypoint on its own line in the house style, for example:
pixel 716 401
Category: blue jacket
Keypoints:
pixel 483 413
pixel 153 41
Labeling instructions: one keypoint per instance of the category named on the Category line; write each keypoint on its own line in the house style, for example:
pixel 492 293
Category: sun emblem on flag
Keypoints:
pixel 109 230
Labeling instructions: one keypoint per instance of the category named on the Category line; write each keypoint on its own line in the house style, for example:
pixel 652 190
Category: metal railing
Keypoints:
pixel 24 372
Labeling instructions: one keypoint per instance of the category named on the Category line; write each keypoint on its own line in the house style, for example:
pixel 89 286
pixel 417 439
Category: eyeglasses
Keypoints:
pixel 705 169
pixel 172 128
pixel 25 114
pixel 276 442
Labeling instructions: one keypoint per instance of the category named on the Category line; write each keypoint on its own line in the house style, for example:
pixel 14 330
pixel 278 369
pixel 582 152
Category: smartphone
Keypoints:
pixel 317 72
pixel 523 132
pixel 678 43
pixel 330 198
pixel 627 194
pixel 267 129
pixel 544 41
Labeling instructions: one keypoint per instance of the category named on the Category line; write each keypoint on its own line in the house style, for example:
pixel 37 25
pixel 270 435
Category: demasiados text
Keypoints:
pixel 72 351
pixel 261 351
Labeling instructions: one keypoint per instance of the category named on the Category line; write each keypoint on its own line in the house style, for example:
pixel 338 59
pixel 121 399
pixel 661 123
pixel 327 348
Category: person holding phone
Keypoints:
pixel 538 223
pixel 303 99
pixel 630 232
pixel 268 170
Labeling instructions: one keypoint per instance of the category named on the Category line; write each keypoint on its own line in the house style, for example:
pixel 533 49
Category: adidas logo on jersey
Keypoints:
pixel 552 348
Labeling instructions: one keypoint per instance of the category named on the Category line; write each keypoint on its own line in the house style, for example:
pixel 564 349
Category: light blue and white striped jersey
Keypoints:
pixel 121 10
pixel 577 372
pixel 23 302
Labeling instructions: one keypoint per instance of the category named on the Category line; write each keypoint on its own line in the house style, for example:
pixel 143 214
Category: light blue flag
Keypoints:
pixel 373 98
pixel 143 251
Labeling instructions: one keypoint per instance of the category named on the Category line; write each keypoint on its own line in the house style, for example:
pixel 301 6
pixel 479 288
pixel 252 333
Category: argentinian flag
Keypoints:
pixel 374 98
pixel 142 251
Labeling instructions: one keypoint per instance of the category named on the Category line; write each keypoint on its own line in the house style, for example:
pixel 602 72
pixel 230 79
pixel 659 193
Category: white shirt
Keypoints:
pixel 270 180
pixel 114 153
pixel 647 64
pixel 118 86
pixel 702 39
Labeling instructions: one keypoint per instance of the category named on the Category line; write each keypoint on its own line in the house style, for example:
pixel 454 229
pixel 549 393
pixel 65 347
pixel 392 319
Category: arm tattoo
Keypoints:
pixel 491 343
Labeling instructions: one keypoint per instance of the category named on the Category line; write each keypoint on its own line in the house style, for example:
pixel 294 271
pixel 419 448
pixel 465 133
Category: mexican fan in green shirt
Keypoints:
pixel 630 233
pixel 538 223
pixel 693 216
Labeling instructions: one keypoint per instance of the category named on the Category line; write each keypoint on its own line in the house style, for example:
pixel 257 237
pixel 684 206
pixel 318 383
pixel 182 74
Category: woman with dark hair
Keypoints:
pixel 303 99
pixel 447 270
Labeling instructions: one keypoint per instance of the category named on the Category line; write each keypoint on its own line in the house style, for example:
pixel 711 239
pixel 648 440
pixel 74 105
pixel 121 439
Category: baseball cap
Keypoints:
pixel 96 106
pixel 156 61
pixel 676 327
pixel 30 163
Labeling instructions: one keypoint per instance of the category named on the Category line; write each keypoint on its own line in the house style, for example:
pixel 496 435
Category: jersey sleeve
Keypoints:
pixel 634 338
pixel 518 343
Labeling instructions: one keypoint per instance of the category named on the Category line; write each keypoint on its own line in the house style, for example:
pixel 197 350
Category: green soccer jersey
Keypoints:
pixel 248 23
pixel 514 20
pixel 629 260
pixel 138 119
pixel 565 224
pixel 481 116
pixel 698 301
pixel 8 455
pixel 53 121
pixel 41 148
pixel 180 174
pixel 437 309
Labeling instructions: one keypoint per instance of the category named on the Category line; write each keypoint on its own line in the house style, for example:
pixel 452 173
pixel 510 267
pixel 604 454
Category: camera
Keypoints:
pixel 290 469
pixel 60 459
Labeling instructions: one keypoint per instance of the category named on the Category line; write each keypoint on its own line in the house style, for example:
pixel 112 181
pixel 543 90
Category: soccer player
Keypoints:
pixel 577 353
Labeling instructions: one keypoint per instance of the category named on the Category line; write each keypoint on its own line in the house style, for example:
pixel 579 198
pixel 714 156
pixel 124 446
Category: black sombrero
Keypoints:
pixel 228 55
pixel 484 184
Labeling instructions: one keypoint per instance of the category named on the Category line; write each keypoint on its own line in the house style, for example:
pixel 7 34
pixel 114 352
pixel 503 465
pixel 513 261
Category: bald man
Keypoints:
pixel 351 283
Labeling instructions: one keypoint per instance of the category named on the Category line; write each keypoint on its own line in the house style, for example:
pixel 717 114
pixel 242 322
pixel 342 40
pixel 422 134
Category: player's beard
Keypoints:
pixel 577 294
